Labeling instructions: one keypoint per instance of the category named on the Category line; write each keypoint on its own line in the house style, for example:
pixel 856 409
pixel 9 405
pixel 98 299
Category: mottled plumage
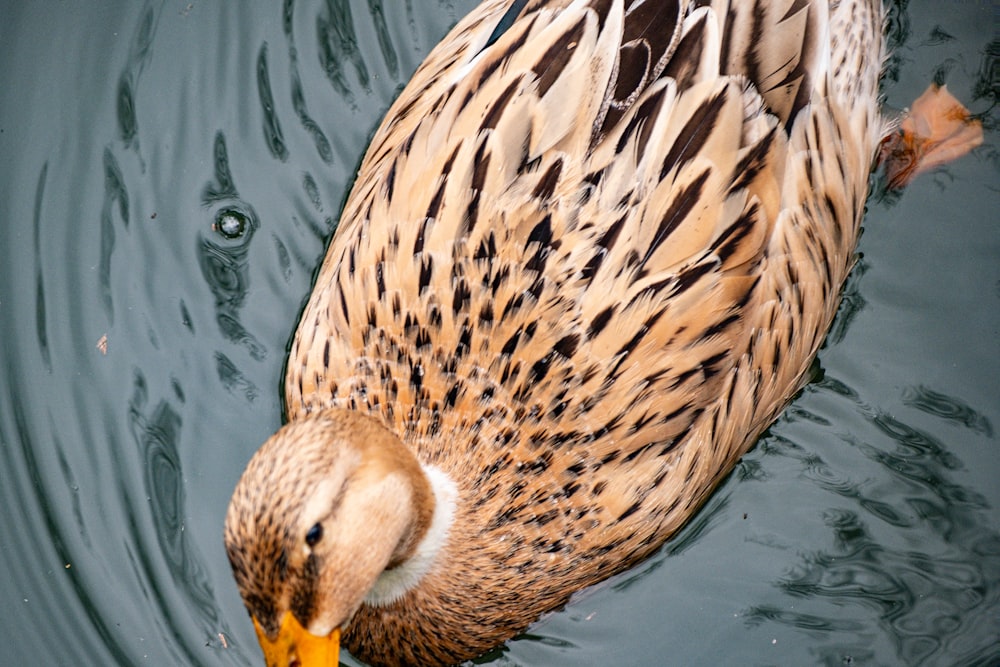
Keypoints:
pixel 588 258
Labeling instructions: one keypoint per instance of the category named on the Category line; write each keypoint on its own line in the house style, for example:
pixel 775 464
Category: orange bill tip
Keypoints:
pixel 295 645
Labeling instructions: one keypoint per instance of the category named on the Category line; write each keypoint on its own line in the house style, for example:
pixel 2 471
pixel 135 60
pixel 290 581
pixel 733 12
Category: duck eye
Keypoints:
pixel 314 535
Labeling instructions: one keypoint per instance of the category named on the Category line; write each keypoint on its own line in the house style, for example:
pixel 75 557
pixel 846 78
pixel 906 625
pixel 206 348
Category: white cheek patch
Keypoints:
pixel 393 584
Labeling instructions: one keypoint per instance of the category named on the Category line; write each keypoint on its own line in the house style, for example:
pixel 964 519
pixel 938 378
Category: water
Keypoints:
pixel 143 345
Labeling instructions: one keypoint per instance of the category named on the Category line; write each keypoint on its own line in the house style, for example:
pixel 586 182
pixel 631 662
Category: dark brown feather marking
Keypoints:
pixel 626 350
pixel 642 119
pixel 551 65
pixel 606 243
pixel 729 241
pixel 692 136
pixel 685 62
pixel 426 272
pixel 600 321
pixel 633 68
pixel 390 181
pixel 486 250
pixel 602 8
pixel 692 274
pixel 680 206
pixel 496 111
pixel 541 233
pixel 461 297
pixel 632 509
pixel 480 170
pixel 654 22
pixel 418 241
pixel 647 42
pixel 433 208
pixel 547 183
pixel 511 344
pixel 751 164
pixel 343 303
pixel 380 278
pixel 566 346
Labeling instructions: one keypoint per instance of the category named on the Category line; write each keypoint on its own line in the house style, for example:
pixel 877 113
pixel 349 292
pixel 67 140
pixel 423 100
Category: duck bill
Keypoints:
pixel 295 645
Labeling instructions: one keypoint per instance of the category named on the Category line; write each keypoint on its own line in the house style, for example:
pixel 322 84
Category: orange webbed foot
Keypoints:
pixel 937 130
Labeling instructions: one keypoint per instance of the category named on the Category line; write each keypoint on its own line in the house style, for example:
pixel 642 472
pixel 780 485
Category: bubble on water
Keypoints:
pixel 231 224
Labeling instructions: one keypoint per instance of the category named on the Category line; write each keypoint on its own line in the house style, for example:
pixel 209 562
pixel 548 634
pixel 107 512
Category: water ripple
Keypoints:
pixel 915 448
pixel 41 323
pixel 156 433
pixel 339 44
pixel 852 303
pixel 223 253
pixel 757 615
pixel 382 35
pixel 947 407
pixel 117 465
pixel 115 196
pixel 233 379
pixel 897 30
pixel 987 88
pixel 139 54
pixel 273 136
pixel 78 614
pixel 128 125
pixel 323 147
pixel 928 568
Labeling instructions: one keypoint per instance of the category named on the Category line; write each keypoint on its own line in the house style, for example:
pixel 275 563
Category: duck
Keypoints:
pixel 590 255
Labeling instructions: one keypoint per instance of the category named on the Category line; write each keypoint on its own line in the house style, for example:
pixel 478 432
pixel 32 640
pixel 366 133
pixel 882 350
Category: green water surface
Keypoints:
pixel 142 352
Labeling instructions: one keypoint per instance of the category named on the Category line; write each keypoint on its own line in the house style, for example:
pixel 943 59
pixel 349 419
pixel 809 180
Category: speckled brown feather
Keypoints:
pixel 585 263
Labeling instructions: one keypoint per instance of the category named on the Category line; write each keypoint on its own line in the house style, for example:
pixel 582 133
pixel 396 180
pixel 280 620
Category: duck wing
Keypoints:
pixel 598 228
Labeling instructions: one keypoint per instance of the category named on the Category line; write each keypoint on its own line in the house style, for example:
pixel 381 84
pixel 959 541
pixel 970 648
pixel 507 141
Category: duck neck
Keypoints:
pixel 434 508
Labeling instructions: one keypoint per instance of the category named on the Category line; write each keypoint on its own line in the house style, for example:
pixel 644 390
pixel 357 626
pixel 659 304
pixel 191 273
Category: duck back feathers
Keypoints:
pixel 589 257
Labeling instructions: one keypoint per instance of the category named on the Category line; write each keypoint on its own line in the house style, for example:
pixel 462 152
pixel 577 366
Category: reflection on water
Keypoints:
pixel 166 195
pixel 272 128
pixel 298 94
pixel 115 200
pixel 223 258
pixel 156 437
pixel 911 556
pixel 947 407
pixel 128 123
pixel 41 324
pixel 339 45
pixel 852 302
pixel 987 85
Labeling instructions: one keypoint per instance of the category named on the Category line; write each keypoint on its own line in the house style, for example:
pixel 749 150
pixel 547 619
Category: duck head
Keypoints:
pixel 326 506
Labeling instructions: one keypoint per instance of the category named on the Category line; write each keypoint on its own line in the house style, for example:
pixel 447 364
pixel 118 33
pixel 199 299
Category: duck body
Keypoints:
pixel 589 257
